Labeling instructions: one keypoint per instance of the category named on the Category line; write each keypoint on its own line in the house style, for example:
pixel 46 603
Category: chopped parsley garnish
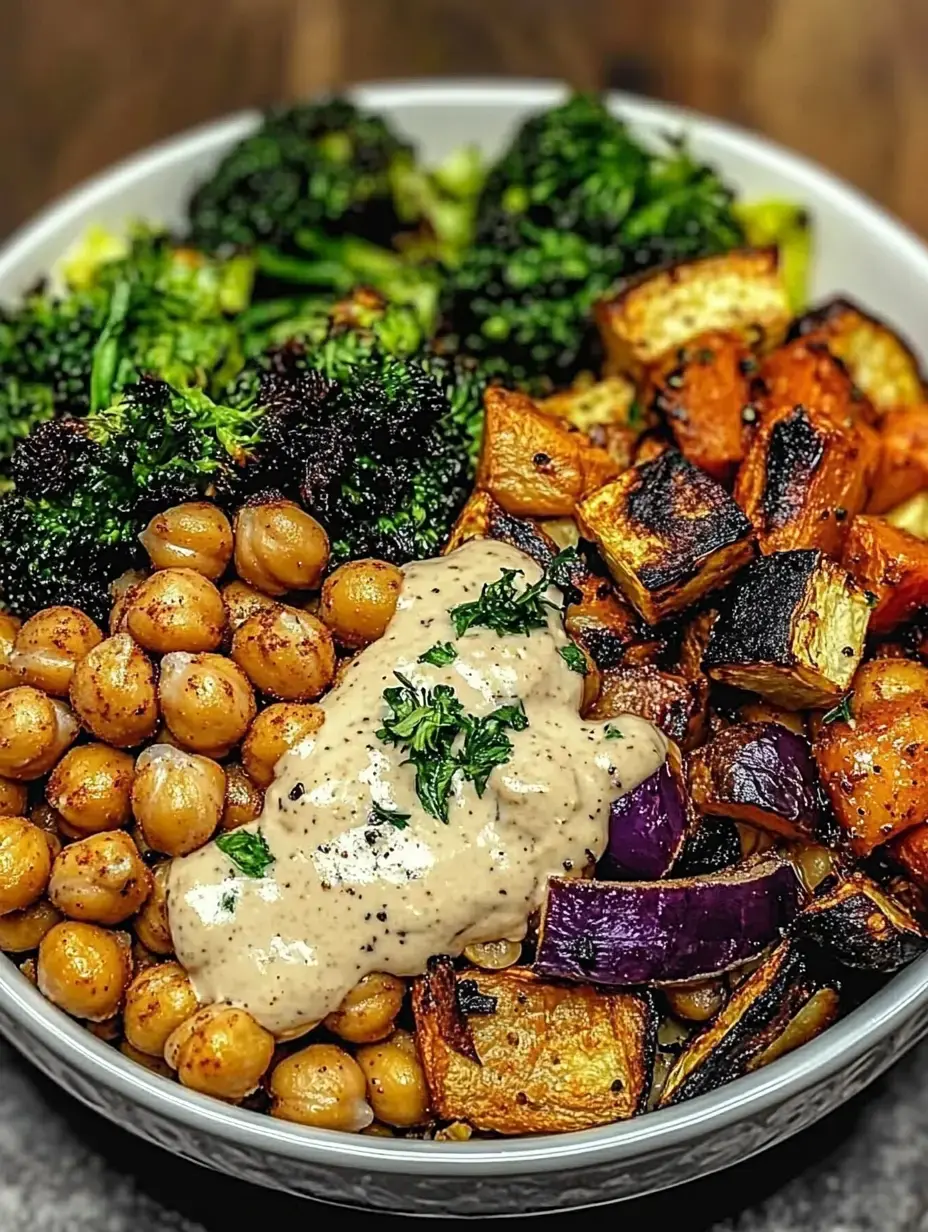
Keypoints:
pixel 613 733
pixel 505 609
pixel 247 851
pixel 574 657
pixel 439 655
pixel 228 901
pixel 635 414
pixel 381 815
pixel 840 713
pixel 427 724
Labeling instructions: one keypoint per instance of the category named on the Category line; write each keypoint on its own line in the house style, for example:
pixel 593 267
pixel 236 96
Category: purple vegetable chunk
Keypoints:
pixel 647 828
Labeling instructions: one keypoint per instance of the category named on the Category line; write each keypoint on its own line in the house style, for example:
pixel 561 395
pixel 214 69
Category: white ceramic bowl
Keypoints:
pixel 859 250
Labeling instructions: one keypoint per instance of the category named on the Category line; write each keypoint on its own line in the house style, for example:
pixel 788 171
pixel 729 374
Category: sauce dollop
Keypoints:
pixel 349 893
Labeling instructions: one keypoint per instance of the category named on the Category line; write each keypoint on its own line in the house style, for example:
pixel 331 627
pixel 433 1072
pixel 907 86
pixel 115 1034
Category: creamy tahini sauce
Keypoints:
pixel 345 896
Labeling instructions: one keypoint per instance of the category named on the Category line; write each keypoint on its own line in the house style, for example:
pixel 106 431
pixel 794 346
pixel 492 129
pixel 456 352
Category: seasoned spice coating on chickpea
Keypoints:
pixel 279 547
pixel 84 969
pixel 196 535
pixel 359 599
pixel 9 627
pixel 274 732
pixel 113 693
pixel 14 798
pixel 101 879
pixel 158 1001
pixel 21 931
pixel 177 798
pixel 207 701
pixel 151 924
pixel 396 1085
pixel 34 732
pixel 220 1051
pixel 25 863
pixel 50 645
pixel 242 601
pixel 322 1086
pixel 121 592
pixel 176 609
pixel 287 654
pixel 368 1012
pixel 244 799
pixel 91 788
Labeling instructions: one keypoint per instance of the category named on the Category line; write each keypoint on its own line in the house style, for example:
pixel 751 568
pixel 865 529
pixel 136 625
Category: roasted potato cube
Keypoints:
pixel 792 629
pixel 531 1057
pixel 655 312
pixel 902 470
pixel 533 465
pixel 668 532
pixel 892 566
pixel 873 756
pixel 675 705
pixel 588 403
pixel 911 515
pixel 703 390
pixel 483 518
pixel 805 373
pixel 880 362
pixel 861 926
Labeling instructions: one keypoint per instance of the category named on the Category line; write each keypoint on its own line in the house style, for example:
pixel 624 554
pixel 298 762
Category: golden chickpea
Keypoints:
pixel 207 701
pixel 367 1013
pixel 113 692
pixel 84 969
pixel 177 798
pixel 286 653
pixel 396 1085
pixel 158 1001
pixel 52 825
pixel 244 799
pixel 142 958
pixel 276 731
pixel 359 599
pixel 50 645
pixel 34 732
pixel 121 592
pixel 91 788
pixel 25 863
pixel 14 798
pixel 101 879
pixel 9 627
pixel 696 1002
pixel 176 609
pixel 242 601
pixel 195 536
pixel 157 1065
pixel 323 1086
pixel 493 955
pixel 220 1051
pixel 151 924
pixel 279 547
pixel 21 931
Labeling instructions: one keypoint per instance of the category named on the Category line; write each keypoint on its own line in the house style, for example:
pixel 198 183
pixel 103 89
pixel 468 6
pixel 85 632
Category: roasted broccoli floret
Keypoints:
pixel 574 203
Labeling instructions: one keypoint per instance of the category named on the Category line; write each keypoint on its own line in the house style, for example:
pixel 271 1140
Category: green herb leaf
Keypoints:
pixel 613 733
pixel 635 414
pixel 247 851
pixel 486 746
pixel 840 713
pixel 439 655
pixel 574 657
pixel 506 610
pixel 381 815
pixel 228 901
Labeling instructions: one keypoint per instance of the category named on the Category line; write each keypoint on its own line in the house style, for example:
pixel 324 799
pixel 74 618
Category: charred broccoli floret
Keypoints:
pixel 574 203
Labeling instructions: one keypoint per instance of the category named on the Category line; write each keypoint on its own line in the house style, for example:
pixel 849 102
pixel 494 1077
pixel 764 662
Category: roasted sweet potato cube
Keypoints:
pixel 739 292
pixel 892 566
pixel 805 373
pixel 702 391
pixel 532 464
pixel 668 532
pixel 874 763
pixel 880 361
pixel 549 1057
pixel 791 628
pixel 676 705
pixel 483 518
pixel 911 851
pixel 902 470
pixel 805 476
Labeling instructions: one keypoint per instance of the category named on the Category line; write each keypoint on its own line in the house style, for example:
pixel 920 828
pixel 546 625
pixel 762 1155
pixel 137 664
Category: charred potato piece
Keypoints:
pixel 880 362
pixel 902 471
pixel 532 464
pixel 675 705
pixel 783 1004
pixel 668 532
pixel 508 1052
pixel 483 518
pixel 804 477
pixel 861 926
pixel 792 629
pixel 892 566
pixel 805 373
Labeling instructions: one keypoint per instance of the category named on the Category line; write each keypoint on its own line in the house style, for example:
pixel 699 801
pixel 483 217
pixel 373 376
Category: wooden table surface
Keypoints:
pixel 83 82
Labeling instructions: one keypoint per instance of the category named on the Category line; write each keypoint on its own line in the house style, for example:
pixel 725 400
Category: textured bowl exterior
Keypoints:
pixel 860 251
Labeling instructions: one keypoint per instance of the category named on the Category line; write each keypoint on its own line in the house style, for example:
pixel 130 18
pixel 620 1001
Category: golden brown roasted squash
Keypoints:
pixel 589 403
pixel 506 1051
pixel 532 464
pixel 873 757
pixel 911 851
pixel 676 705
pixel 892 566
pixel 911 515
pixel 668 532
pixel 805 373
pixel 902 470
pixel 739 292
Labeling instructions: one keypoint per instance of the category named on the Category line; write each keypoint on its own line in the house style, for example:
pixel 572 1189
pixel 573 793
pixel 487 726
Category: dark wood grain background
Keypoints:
pixel 83 82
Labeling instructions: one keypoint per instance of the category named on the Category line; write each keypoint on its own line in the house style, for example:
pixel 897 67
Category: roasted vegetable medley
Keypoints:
pixel 219 449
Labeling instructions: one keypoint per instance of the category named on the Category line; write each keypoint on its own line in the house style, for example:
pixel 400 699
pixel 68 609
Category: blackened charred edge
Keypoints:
pixel 857 933
pixel 670 489
pixel 472 1001
pixel 439 995
pixel 521 533
pixel 755 622
pixel 652 1020
pixel 794 454
pixel 605 647
pixel 714 845
pixel 823 314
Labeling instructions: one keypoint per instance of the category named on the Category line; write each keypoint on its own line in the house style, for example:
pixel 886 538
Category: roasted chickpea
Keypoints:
pixel 276 731
pixel 157 1065
pixel 207 701
pixel 158 1001
pixel 176 609
pixel 151 924
pixel 113 692
pixel 91 788
pixel 14 798
pixel 49 646
pixel 396 1085
pixel 244 799
pixel 493 955
pixel 101 879
pixel 21 931
pixel 34 732
pixel 696 1002
pixel 191 536
pixel 177 798
pixel 323 1086
pixel 813 864
pixel 286 653
pixel 84 969
pixel 25 863
pixel 52 825
pixel 9 627
pixel 220 1051
pixel 121 592
pixel 142 958
pixel 242 601
pixel 279 547
pixel 367 1013
pixel 359 599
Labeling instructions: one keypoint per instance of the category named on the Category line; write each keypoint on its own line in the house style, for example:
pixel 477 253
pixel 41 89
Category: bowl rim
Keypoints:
pixel 749 1097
